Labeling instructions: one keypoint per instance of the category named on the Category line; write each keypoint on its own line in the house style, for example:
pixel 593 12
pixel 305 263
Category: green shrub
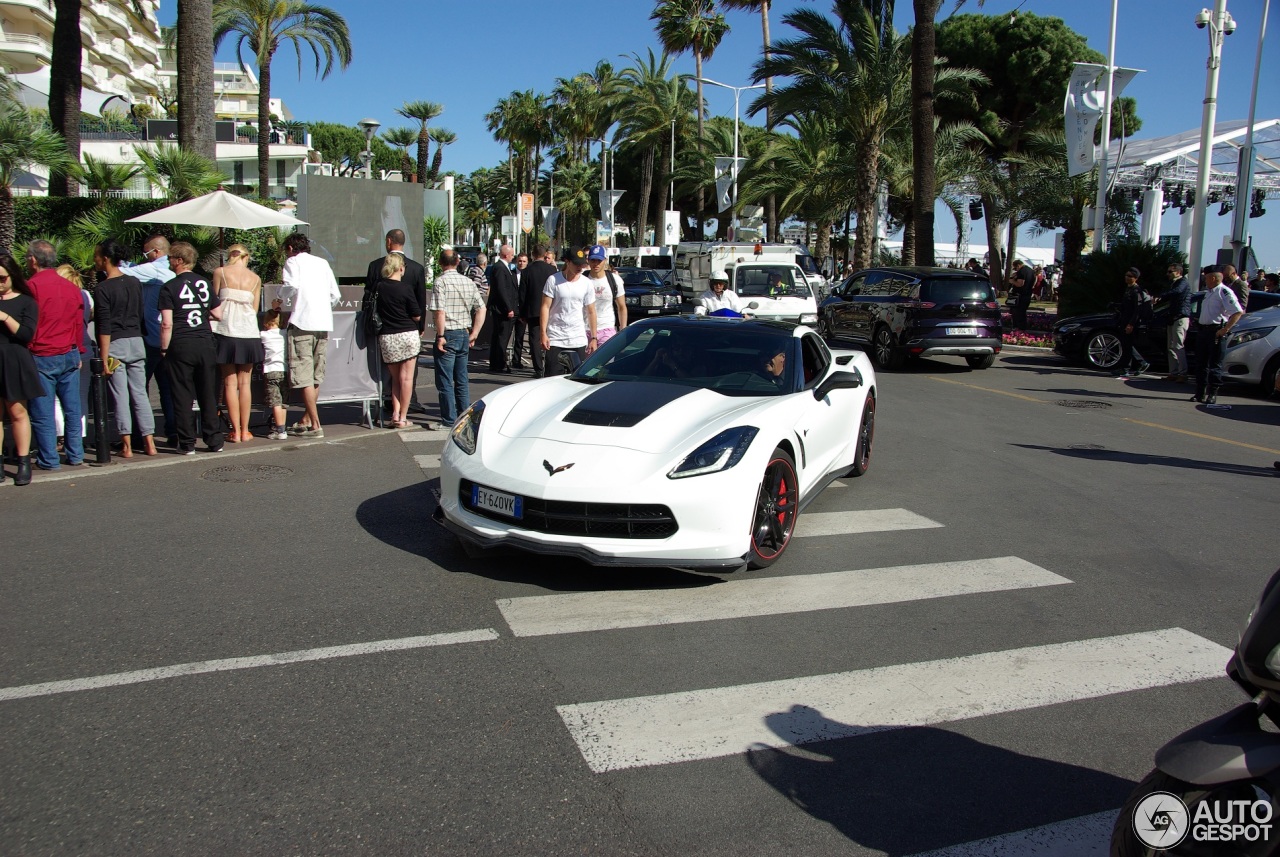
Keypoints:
pixel 1100 279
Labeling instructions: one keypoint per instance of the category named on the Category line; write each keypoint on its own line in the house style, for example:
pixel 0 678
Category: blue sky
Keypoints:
pixel 496 46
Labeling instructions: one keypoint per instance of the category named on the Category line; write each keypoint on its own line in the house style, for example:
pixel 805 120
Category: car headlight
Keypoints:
pixel 671 300
pixel 720 453
pixel 1067 328
pixel 632 301
pixel 809 318
pixel 1249 336
pixel 466 431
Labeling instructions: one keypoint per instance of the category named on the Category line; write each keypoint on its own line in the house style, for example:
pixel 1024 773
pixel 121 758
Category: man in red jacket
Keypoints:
pixel 57 348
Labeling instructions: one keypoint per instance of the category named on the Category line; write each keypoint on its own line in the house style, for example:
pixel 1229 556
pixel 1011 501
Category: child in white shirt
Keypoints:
pixel 273 371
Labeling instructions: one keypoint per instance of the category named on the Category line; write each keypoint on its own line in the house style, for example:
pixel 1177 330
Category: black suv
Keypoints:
pixel 915 312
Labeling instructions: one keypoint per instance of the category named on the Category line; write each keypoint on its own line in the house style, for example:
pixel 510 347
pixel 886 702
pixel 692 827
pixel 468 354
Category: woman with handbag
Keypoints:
pixel 238 342
pixel 117 319
pixel 397 315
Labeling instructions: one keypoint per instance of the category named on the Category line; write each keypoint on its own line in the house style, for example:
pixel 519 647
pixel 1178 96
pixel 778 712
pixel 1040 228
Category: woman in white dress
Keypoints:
pixel 239 346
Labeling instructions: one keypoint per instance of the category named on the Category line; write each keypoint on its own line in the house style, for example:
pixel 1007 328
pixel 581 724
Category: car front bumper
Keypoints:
pixel 713 512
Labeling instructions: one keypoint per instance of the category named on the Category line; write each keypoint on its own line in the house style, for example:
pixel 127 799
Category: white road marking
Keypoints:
pixel 597 611
pixel 278 659
pixel 705 724
pixel 1086 836
pixel 420 435
pixel 868 521
pixel 428 462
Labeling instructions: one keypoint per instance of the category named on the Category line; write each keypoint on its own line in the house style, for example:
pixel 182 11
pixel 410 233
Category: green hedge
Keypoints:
pixel 1100 279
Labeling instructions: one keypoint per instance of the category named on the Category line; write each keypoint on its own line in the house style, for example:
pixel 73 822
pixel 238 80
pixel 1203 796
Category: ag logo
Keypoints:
pixel 1160 820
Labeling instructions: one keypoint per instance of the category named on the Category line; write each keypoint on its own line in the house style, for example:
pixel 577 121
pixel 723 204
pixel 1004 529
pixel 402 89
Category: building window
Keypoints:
pixel 238 171
pixel 280 173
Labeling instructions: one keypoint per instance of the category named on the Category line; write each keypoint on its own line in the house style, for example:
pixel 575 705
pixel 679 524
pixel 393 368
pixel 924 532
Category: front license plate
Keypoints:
pixel 511 505
pixel 963 331
pixel 654 311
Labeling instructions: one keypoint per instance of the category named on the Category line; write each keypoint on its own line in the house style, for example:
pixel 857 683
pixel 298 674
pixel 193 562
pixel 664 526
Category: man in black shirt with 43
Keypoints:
pixel 187 303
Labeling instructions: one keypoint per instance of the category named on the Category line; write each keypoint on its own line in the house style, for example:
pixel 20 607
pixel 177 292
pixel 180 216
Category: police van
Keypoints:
pixel 766 275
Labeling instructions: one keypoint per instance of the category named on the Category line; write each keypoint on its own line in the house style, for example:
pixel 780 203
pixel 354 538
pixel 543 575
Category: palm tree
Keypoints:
pixel 762 6
pixel 292 129
pixel 180 173
pixel 576 188
pixel 104 176
pixel 424 112
pixel 24 143
pixel 402 139
pixel 263 26
pixel 691 25
pixel 441 137
pixel 844 70
pixel 195 42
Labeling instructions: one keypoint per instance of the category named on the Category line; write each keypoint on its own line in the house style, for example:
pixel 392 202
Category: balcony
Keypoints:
pixel 113 18
pixel 24 52
pixel 40 10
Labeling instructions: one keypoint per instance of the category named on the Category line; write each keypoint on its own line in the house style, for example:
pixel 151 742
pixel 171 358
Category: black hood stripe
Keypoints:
pixel 625 403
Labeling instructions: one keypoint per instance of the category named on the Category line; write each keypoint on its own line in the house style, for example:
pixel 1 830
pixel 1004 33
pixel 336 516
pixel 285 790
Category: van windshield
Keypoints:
pixel 767 281
pixel 953 290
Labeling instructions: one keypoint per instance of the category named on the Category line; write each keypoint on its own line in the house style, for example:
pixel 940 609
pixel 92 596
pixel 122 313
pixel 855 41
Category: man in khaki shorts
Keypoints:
pixel 310 292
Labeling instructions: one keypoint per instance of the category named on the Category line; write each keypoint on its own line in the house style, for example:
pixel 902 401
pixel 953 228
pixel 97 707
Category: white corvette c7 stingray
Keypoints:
pixel 683 441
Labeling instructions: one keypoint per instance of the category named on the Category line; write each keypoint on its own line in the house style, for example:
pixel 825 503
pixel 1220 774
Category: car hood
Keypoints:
pixel 1266 317
pixel 1090 320
pixel 782 306
pixel 645 416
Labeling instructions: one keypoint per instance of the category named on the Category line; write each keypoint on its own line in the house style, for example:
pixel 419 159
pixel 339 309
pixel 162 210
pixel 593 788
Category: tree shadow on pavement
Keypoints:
pixel 402 519
pixel 905 790
pixel 1140 458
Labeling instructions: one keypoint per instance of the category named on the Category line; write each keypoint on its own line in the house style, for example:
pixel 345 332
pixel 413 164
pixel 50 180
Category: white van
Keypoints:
pixel 660 259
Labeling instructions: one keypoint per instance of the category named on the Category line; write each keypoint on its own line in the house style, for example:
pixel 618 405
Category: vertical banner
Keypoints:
pixel 1082 108
pixel 526 213
pixel 550 219
pixel 726 172
pixel 509 225
pixel 608 199
pixel 670 227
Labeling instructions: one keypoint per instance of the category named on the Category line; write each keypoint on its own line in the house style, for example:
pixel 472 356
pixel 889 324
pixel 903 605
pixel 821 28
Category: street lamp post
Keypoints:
pixel 737 94
pixel 369 127
pixel 1219 24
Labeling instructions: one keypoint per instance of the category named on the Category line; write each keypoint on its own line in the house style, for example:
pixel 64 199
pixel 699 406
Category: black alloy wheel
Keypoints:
pixel 777 504
pixel 866 437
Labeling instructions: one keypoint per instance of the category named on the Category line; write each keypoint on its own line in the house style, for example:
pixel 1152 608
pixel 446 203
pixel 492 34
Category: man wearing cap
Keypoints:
pixel 610 295
pixel 719 296
pixel 1219 312
pixel 566 298
pixel 1130 318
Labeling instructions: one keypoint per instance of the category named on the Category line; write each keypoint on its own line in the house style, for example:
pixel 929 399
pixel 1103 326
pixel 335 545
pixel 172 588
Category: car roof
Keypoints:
pixel 926 271
pixel 695 322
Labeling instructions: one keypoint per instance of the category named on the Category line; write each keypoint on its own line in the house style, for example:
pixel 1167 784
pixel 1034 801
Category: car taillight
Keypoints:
pixel 991 305
pixel 923 304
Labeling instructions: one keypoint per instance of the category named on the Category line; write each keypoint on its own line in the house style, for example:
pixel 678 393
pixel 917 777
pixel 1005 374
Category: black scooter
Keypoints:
pixel 1214 789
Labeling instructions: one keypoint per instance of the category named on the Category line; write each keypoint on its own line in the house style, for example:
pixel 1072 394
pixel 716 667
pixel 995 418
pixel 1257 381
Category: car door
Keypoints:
pixel 823 426
pixel 839 306
pixel 865 306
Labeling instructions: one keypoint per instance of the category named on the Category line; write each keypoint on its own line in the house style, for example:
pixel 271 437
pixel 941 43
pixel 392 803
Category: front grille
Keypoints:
pixel 651 300
pixel 568 518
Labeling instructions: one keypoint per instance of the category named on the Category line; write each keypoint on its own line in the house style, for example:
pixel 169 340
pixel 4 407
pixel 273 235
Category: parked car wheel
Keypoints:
pixel 824 329
pixel 866 436
pixel 883 352
pixel 1269 375
pixel 983 361
pixel 776 507
pixel 1103 350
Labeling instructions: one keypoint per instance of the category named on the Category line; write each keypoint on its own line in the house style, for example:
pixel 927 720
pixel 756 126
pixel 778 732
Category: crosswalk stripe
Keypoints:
pixel 401 644
pixel 428 462
pixel 705 724
pixel 868 521
pixel 1086 836
pixel 597 611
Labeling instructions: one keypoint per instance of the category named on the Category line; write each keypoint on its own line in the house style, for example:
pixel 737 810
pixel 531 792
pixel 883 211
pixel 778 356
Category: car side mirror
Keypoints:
pixel 753 305
pixel 838 381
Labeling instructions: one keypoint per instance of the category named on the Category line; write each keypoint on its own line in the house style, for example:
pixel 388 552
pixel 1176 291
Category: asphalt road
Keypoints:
pixel 1134 513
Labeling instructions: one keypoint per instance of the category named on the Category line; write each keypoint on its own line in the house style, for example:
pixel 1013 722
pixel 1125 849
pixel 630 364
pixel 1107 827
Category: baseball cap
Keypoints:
pixel 595 253
pixel 1133 272
pixel 577 255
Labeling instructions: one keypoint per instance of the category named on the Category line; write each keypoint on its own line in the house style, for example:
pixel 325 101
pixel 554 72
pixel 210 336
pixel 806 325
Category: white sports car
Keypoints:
pixel 683 441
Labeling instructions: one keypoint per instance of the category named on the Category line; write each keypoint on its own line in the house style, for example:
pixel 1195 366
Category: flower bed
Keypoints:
pixel 1036 320
pixel 1029 339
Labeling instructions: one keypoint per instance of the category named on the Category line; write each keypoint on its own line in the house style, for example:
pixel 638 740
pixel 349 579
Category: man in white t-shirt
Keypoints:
pixel 719 296
pixel 566 298
pixel 611 295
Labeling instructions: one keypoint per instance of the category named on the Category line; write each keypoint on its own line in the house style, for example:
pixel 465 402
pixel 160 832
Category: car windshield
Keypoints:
pixel 767 281
pixel 725 357
pixel 636 277
pixel 954 290
pixel 660 263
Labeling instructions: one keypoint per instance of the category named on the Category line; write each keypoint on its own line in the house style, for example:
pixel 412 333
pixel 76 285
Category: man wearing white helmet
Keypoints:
pixel 719 296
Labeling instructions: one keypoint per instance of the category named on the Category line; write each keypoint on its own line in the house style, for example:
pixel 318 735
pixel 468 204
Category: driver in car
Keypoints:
pixel 679 359
pixel 776 286
pixel 773 364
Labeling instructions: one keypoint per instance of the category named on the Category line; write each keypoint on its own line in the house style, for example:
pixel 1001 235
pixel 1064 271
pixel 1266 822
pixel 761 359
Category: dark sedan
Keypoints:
pixel 1094 339
pixel 648 293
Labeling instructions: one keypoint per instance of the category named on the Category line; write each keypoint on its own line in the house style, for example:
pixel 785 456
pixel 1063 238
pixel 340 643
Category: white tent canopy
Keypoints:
pixel 220 209
pixel 1174 159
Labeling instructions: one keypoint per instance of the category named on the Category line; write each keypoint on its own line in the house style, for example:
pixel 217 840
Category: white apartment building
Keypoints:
pixel 122 50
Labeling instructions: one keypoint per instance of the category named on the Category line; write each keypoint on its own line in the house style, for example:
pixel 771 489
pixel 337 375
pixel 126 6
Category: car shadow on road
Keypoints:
pixel 906 790
pixel 1119 457
pixel 402 519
